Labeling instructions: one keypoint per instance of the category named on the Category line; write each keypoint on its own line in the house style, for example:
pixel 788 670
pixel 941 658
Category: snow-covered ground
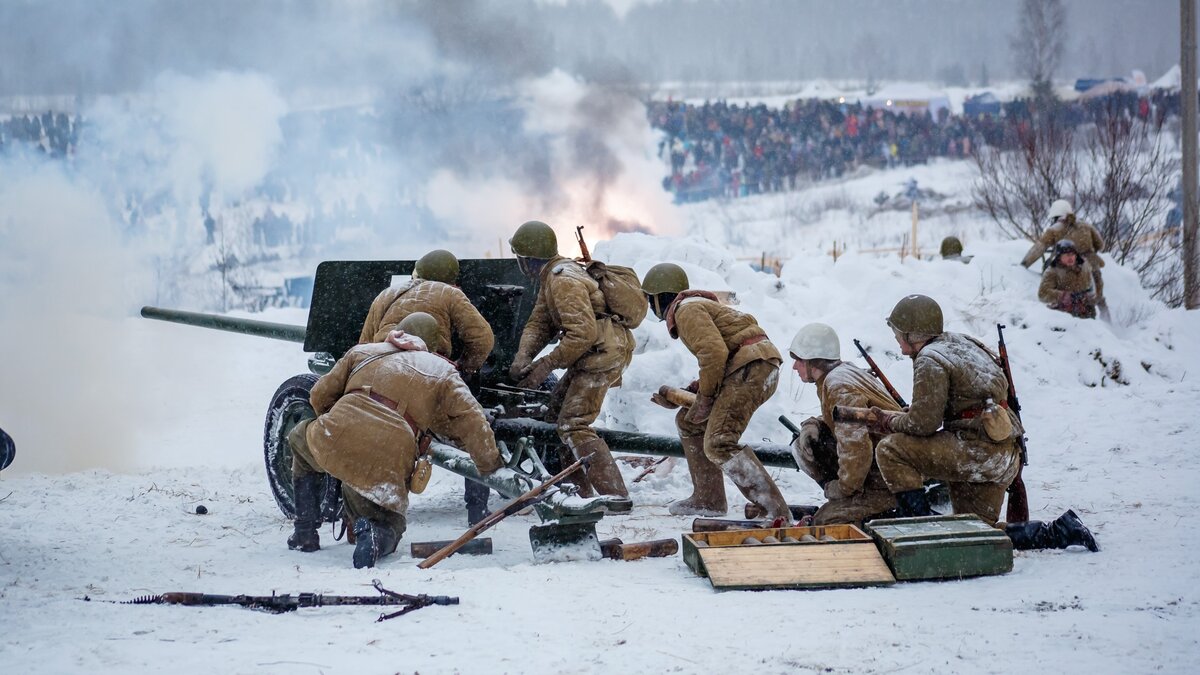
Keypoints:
pixel 169 417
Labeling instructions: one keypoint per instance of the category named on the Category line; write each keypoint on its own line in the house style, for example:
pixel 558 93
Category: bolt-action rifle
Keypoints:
pixel 1018 499
pixel 290 603
pixel 584 255
pixel 878 373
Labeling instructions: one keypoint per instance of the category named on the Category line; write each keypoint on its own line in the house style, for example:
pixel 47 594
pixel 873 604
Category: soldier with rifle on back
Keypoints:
pixel 374 410
pixel 433 290
pixel 960 428
pixel 595 345
pixel 839 456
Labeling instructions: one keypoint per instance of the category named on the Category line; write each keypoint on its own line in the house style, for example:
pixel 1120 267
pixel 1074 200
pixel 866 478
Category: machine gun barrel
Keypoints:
pixel 267 329
pixel 509 430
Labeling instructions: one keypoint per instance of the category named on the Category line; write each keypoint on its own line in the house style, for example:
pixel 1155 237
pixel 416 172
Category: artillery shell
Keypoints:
pixel 657 548
pixel 770 540
pixel 791 540
pixel 751 541
pixel 827 537
pixel 610 548
pixel 808 539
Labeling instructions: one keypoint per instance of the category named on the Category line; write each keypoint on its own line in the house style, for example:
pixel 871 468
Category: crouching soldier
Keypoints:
pixel 433 291
pixel 739 371
pixel 1067 282
pixel 373 412
pixel 839 456
pixel 958 429
pixel 1087 240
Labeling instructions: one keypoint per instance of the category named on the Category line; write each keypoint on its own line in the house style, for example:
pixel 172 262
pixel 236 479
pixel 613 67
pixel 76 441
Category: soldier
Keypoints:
pixel 839 456
pixel 952 249
pixel 1088 243
pixel 1067 282
pixel 739 371
pixel 374 409
pixel 592 346
pixel 958 429
pixel 433 291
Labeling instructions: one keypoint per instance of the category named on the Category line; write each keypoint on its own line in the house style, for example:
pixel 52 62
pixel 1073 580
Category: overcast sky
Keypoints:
pixel 83 46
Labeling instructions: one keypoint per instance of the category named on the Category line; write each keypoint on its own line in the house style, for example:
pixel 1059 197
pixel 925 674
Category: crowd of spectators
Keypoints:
pixel 56 134
pixel 721 149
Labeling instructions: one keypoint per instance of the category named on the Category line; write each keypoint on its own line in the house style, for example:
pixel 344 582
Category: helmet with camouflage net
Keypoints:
pixel 423 326
pixel 665 278
pixel 816 341
pixel 534 239
pixel 439 265
pixel 951 246
pixel 919 314
pixel 1059 209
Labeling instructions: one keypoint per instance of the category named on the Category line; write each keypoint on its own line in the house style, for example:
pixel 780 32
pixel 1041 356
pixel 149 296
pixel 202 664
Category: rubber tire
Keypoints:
pixel 289 406
pixel 8 450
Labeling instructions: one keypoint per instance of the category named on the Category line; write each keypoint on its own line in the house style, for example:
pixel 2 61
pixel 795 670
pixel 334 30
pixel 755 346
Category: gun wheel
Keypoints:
pixel 8 450
pixel 290 406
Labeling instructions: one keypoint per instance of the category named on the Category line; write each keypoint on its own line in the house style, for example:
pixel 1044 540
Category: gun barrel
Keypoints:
pixel 267 329
pixel 633 443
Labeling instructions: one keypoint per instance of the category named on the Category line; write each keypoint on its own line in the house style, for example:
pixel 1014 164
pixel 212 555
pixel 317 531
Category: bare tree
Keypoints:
pixel 1039 43
pixel 1016 187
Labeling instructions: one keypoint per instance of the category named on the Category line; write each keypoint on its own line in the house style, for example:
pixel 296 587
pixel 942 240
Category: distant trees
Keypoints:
pixel 1039 43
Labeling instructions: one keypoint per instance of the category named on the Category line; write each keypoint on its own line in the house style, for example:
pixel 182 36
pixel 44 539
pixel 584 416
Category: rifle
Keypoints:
pixel 530 498
pixel 585 256
pixel 279 604
pixel 880 376
pixel 1018 499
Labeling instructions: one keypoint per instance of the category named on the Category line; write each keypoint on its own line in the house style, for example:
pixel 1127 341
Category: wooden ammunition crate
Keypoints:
pixel 850 560
pixel 942 547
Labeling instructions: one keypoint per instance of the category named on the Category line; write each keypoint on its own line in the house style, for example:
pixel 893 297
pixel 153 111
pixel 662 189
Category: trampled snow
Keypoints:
pixel 1109 409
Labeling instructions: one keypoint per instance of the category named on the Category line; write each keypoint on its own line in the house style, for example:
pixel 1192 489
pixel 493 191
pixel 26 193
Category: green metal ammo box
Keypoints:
pixel 942 547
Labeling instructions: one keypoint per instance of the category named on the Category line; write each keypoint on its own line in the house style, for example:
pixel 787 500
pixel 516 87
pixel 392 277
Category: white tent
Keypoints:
pixel 908 98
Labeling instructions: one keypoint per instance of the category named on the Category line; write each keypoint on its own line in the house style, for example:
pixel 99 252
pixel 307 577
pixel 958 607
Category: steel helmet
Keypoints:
pixel 951 246
pixel 816 341
pixel 423 326
pixel 665 278
pixel 918 314
pixel 439 265
pixel 1059 209
pixel 534 239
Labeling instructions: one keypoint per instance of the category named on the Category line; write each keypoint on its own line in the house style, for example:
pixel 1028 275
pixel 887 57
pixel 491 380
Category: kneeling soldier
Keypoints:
pixel 1067 282
pixel 739 371
pixel 374 408
pixel 840 456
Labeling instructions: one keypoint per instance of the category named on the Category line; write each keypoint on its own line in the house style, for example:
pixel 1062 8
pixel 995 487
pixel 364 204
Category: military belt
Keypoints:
pixel 971 413
pixel 380 398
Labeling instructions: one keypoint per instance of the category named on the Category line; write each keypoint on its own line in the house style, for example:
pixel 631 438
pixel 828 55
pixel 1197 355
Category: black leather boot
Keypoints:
pixel 914 503
pixel 476 497
pixel 307 496
pixel 1066 530
pixel 372 542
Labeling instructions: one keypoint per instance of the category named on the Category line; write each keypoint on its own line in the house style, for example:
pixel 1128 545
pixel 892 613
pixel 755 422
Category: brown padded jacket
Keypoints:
pixel 371 447
pixel 454 313
pixel 1086 238
pixel 849 385
pixel 717 336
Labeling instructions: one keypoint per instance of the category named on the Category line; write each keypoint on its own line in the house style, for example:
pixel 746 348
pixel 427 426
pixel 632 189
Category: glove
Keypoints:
pixel 537 374
pixel 699 412
pixel 520 368
pixel 882 423
pixel 804 443
pixel 658 399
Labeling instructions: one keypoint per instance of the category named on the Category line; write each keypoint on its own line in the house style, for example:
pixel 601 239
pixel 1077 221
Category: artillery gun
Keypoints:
pixel 342 294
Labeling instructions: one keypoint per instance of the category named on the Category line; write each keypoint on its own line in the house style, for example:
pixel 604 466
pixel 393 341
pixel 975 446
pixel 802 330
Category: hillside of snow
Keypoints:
pixel 126 425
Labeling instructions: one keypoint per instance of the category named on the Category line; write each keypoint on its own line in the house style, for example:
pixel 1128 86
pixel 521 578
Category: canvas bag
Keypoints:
pixel 622 292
